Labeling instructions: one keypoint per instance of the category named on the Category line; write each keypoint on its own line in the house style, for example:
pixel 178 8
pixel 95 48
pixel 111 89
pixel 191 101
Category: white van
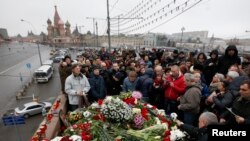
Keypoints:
pixel 43 74
pixel 49 62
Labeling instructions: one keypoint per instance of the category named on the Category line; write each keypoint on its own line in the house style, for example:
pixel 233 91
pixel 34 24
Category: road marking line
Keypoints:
pixel 2 72
pixel 10 68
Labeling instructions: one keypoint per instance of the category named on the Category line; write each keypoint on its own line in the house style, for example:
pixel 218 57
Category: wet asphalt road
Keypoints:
pixel 13 62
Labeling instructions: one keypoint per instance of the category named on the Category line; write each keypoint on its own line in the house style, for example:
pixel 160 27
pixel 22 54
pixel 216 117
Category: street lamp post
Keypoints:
pixel 37 42
pixel 182 29
pixel 108 20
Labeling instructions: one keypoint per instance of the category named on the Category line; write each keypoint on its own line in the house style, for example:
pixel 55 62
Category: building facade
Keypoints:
pixel 4 35
pixel 190 36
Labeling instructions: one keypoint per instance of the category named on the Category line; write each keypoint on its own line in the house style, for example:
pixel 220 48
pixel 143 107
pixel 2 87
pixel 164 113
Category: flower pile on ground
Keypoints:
pixel 120 118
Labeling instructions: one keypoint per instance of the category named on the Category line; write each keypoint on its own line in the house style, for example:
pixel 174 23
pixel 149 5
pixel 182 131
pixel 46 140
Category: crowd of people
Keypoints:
pixel 187 83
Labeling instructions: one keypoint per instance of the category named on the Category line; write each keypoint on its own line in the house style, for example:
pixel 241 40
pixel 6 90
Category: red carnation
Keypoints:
pixel 166 139
pixel 167 133
pixel 100 101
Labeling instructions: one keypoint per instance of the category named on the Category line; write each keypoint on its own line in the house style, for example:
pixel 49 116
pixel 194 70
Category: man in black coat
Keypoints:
pixel 199 133
pixel 97 84
pixel 241 107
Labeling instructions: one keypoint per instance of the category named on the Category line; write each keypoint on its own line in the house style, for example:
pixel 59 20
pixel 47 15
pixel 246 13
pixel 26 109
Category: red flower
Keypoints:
pixel 130 101
pixel 166 139
pixel 167 133
pixel 63 128
pixel 50 116
pixel 154 107
pixel 164 120
pixel 144 113
pixel 34 138
pixel 99 117
pixel 66 138
pixel 100 101
pixel 86 136
pixel 43 127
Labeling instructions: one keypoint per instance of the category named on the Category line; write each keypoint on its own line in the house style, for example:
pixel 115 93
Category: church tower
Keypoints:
pixel 61 28
pixel 50 29
pixel 56 17
pixel 56 23
pixel 68 32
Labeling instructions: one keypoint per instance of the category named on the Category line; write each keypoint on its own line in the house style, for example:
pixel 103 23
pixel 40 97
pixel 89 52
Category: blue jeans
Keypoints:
pixel 189 118
pixel 170 106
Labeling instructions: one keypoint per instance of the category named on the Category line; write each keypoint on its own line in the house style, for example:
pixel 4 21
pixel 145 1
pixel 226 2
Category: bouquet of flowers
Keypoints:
pixel 121 118
pixel 115 110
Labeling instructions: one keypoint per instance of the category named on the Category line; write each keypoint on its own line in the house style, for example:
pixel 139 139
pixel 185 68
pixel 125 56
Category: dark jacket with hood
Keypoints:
pixel 211 67
pixel 226 61
pixel 145 82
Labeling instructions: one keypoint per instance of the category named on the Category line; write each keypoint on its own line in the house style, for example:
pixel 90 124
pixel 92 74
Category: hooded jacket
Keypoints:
pixel 211 67
pixel 226 61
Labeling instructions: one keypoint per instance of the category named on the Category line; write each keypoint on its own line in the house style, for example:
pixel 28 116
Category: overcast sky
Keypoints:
pixel 223 18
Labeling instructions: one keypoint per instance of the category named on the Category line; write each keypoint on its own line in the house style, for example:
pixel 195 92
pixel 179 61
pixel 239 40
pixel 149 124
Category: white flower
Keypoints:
pixel 173 116
pixel 157 137
pixel 86 114
pixel 112 108
pixel 116 109
pixel 94 105
pixel 108 99
pixel 157 120
pixel 105 126
pixel 57 139
pixel 136 111
pixel 176 135
pixel 161 112
pixel 172 137
pixel 174 128
pixel 117 100
pixel 149 106
pixel 165 126
pixel 75 138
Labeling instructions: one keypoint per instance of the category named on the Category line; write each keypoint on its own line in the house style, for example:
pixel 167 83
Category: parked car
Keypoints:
pixel 52 52
pixel 32 108
pixel 57 59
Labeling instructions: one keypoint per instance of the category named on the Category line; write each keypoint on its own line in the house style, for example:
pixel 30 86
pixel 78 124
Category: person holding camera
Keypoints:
pixel 174 86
